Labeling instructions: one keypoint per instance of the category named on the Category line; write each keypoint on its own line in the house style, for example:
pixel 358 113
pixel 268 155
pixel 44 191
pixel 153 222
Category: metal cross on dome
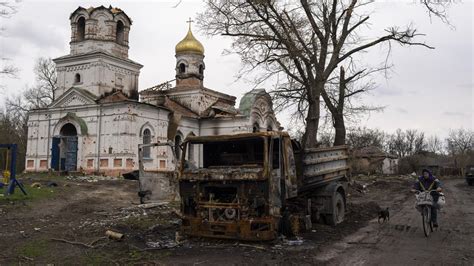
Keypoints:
pixel 190 21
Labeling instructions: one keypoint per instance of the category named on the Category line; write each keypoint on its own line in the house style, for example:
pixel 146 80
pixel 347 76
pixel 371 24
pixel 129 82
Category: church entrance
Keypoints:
pixel 64 149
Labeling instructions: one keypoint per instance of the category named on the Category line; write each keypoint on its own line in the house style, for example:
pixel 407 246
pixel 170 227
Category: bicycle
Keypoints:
pixel 424 202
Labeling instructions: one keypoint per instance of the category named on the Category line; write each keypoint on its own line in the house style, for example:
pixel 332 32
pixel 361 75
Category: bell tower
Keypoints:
pixel 189 61
pixel 98 60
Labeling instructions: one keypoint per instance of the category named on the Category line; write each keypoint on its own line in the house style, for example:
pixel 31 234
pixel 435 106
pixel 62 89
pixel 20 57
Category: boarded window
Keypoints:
pixel 162 164
pixel 43 164
pixel 117 162
pixel 104 162
pixel 90 163
pixel 30 164
pixel 129 163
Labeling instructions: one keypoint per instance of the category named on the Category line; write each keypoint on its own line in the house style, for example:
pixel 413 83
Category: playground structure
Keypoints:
pixel 8 169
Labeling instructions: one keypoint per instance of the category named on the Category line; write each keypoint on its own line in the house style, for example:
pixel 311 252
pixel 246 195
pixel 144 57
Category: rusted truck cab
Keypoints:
pixel 240 187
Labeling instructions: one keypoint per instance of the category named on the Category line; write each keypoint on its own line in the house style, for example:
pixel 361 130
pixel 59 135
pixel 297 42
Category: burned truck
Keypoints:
pixel 252 186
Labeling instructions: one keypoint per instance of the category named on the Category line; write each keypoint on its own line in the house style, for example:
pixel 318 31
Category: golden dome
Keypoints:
pixel 189 44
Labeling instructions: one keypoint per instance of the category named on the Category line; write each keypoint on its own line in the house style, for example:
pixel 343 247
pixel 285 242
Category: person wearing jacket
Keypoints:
pixel 427 182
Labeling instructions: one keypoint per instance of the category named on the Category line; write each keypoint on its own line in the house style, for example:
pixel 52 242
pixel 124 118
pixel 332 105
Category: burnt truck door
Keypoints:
pixel 290 177
pixel 275 168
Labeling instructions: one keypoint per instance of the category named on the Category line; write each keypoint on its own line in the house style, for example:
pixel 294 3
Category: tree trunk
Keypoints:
pixel 312 120
pixel 339 126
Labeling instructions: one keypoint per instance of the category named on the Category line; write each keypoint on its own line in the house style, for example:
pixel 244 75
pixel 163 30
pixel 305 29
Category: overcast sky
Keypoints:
pixel 429 90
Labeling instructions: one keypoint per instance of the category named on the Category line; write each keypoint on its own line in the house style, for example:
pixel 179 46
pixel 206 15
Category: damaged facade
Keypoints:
pixel 99 116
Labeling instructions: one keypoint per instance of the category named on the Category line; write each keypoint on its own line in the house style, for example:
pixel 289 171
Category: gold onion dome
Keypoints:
pixel 189 44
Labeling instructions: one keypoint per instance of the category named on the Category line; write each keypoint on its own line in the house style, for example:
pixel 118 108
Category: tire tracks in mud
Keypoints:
pixel 401 240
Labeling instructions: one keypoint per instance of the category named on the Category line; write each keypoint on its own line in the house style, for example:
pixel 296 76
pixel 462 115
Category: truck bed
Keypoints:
pixel 322 166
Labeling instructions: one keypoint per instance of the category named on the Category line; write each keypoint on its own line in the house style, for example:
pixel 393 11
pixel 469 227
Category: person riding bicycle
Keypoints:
pixel 428 182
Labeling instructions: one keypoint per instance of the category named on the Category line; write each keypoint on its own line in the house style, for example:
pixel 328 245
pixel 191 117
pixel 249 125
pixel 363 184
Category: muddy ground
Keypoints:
pixel 66 225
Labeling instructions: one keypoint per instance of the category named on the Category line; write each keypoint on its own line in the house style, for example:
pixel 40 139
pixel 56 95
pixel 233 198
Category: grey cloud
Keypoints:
pixel 455 114
pixel 401 110
pixel 466 85
pixel 37 34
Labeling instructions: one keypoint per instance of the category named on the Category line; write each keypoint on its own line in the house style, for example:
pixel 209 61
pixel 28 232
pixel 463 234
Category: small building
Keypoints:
pixel 99 115
pixel 372 160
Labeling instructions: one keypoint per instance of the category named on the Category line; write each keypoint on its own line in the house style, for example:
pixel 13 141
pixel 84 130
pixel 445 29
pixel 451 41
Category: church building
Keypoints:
pixel 99 115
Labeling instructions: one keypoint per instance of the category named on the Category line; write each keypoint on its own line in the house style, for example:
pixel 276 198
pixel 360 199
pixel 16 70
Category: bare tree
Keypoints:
pixel 361 137
pixel 460 143
pixel 13 118
pixel 41 94
pixel 434 144
pixel 406 143
pixel 302 40
pixel 46 80
pixel 7 9
pixel 397 144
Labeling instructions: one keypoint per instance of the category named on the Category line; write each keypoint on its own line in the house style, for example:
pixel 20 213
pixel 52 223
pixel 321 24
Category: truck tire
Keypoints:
pixel 339 210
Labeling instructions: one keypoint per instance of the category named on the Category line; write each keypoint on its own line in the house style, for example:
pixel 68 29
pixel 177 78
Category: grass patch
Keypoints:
pixel 33 194
pixel 34 248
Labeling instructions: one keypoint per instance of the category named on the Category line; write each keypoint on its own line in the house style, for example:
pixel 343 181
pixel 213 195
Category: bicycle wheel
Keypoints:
pixel 429 216
pixel 425 215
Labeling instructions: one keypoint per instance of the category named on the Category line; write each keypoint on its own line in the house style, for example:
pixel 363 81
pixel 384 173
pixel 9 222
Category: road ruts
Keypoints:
pixel 402 242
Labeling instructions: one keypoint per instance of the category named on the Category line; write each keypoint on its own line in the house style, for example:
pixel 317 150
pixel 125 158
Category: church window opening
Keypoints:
pixel 201 69
pixel 146 140
pixel 182 68
pixel 177 145
pixel 81 29
pixel 77 78
pixel 269 128
pixel 120 33
pixel 191 150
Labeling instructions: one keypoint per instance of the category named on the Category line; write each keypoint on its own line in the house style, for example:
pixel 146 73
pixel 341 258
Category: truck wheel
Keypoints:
pixel 339 209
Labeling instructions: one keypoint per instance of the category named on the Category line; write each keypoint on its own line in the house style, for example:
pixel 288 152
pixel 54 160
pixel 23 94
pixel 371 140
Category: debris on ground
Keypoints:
pixel 153 205
pixel 51 184
pixel 90 178
pixel 35 185
pixel 114 235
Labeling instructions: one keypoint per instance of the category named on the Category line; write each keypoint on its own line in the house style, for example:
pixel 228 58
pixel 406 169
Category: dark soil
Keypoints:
pixel 83 211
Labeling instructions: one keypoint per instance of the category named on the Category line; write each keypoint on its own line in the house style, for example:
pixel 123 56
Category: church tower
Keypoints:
pixel 98 60
pixel 189 61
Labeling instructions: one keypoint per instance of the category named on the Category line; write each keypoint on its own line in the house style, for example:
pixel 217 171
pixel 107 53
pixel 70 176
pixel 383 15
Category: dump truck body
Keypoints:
pixel 244 183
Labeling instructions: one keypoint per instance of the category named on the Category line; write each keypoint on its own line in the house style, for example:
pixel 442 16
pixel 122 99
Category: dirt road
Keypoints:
pixel 80 212
pixel 402 242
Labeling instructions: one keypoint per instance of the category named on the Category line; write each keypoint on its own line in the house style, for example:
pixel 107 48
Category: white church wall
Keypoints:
pixel 98 73
pixel 119 132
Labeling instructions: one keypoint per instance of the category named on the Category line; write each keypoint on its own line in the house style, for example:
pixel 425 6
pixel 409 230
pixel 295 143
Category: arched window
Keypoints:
pixel 269 128
pixel 68 130
pixel 120 33
pixel 182 68
pixel 81 29
pixel 146 140
pixel 201 69
pixel 177 143
pixel 77 78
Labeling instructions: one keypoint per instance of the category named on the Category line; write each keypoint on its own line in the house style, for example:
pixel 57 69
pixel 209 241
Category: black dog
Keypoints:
pixel 385 215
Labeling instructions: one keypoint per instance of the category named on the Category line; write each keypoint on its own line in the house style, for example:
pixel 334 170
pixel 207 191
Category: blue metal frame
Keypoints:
pixel 13 181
